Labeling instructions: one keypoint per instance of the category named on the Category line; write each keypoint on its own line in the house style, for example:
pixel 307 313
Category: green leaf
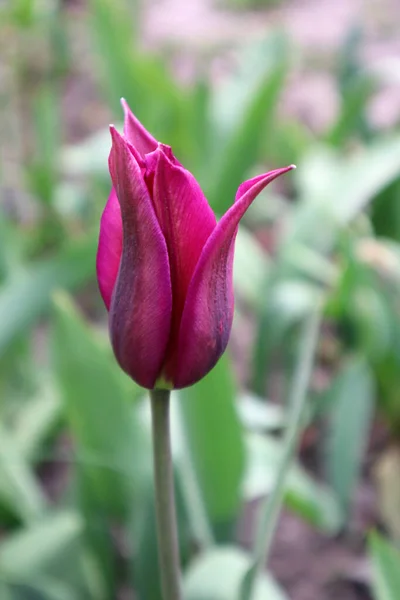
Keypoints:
pixel 255 62
pixel 356 86
pixel 363 308
pixel 31 550
pixel 5 592
pixel 201 132
pixel 351 118
pixel 217 574
pixel 303 495
pixel 88 157
pixel 258 414
pixel 72 267
pixel 113 30
pixel 386 213
pixel 215 439
pixel 142 79
pixel 19 490
pixel 385 568
pixel 365 175
pixel 42 588
pixel 111 445
pixel 23 12
pixel 335 189
pixel 263 73
pixel 352 401
pixel 145 568
pixel 11 245
pixel 35 420
pixel 42 172
pixel 271 507
pixel 387 487
pixel 286 302
pixel 249 268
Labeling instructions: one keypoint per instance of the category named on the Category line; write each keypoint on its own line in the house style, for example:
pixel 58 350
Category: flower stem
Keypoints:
pixel 269 512
pixel 167 535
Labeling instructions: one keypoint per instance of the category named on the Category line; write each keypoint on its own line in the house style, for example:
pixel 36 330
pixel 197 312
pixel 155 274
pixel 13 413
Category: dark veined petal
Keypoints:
pixel 110 241
pixel 186 221
pixel 110 248
pixel 208 313
pixel 136 134
pixel 140 311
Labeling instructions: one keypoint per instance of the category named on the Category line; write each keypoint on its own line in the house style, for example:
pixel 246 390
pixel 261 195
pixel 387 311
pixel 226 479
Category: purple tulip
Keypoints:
pixel 164 265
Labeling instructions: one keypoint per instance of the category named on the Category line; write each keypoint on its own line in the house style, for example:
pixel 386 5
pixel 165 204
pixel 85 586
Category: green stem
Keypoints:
pixel 270 510
pixel 167 532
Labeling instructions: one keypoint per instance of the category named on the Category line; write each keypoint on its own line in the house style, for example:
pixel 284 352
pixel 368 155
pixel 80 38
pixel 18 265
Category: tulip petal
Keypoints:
pixel 110 241
pixel 186 221
pixel 140 312
pixel 208 313
pixel 110 248
pixel 136 134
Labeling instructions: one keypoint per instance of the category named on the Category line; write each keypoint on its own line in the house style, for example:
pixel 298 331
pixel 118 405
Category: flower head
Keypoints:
pixel 164 264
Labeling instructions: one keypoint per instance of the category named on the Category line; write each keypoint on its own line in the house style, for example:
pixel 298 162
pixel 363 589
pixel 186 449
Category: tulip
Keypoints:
pixel 164 264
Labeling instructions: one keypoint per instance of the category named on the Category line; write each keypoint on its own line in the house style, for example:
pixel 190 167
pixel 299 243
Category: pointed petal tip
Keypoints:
pixel 283 170
pixel 135 133
pixel 115 134
pixel 125 106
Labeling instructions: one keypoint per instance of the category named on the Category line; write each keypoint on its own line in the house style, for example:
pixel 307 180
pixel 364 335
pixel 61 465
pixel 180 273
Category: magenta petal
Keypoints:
pixel 140 312
pixel 186 221
pixel 136 134
pixel 110 248
pixel 208 313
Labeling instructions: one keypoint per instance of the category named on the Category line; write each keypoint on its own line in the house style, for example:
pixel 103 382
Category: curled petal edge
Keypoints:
pixel 110 248
pixel 208 312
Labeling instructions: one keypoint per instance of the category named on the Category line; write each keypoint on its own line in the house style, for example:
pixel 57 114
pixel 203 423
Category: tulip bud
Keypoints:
pixel 164 265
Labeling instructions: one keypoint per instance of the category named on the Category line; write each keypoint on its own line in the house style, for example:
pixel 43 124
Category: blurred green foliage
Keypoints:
pixel 76 498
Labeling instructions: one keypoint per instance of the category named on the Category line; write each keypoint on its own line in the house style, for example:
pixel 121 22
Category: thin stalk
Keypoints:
pixel 167 533
pixel 270 510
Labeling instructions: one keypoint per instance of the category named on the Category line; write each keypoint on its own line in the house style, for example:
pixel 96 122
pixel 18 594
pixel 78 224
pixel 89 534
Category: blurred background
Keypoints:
pixel 236 87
